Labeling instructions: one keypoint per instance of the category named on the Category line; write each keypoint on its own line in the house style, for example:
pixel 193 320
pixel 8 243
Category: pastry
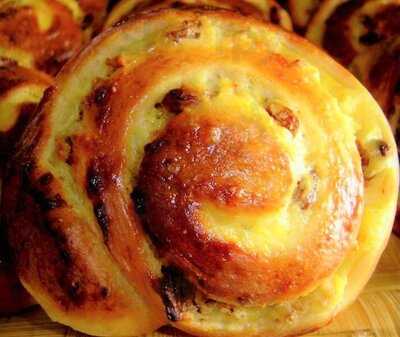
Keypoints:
pixel 213 172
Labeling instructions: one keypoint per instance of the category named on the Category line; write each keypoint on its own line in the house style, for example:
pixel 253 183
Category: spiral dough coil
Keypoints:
pixel 210 174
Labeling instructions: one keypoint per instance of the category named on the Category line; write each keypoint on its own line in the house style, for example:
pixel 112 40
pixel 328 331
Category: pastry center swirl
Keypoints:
pixel 210 179
pixel 228 163
pixel 236 165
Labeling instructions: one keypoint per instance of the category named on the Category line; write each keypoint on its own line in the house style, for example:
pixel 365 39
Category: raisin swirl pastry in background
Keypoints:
pixel 44 34
pixel 20 91
pixel 41 34
pixel 365 37
pixel 201 179
pixel 268 10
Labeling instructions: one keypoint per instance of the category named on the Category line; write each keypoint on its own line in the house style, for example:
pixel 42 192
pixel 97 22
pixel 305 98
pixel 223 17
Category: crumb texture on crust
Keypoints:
pixel 213 171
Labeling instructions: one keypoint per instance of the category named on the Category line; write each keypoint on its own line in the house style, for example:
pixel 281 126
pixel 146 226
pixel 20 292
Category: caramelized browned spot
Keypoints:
pixel 383 148
pixel 95 182
pixel 100 211
pixel 177 99
pixel 284 116
pixel 188 30
pixel 51 48
pixel 116 62
pixel 139 201
pixel 98 179
pixel 99 100
pixel 175 291
pixel 200 150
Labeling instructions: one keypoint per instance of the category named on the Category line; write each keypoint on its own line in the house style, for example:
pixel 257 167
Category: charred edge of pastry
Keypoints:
pixel 175 292
pixel 101 98
pixel 100 211
pixel 139 200
pixel 46 179
pixel 155 146
pixel 95 180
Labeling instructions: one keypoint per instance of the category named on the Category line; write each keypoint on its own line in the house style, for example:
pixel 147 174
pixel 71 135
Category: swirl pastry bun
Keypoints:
pixel 365 37
pixel 44 34
pixel 20 91
pixel 347 29
pixel 268 10
pixel 210 174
